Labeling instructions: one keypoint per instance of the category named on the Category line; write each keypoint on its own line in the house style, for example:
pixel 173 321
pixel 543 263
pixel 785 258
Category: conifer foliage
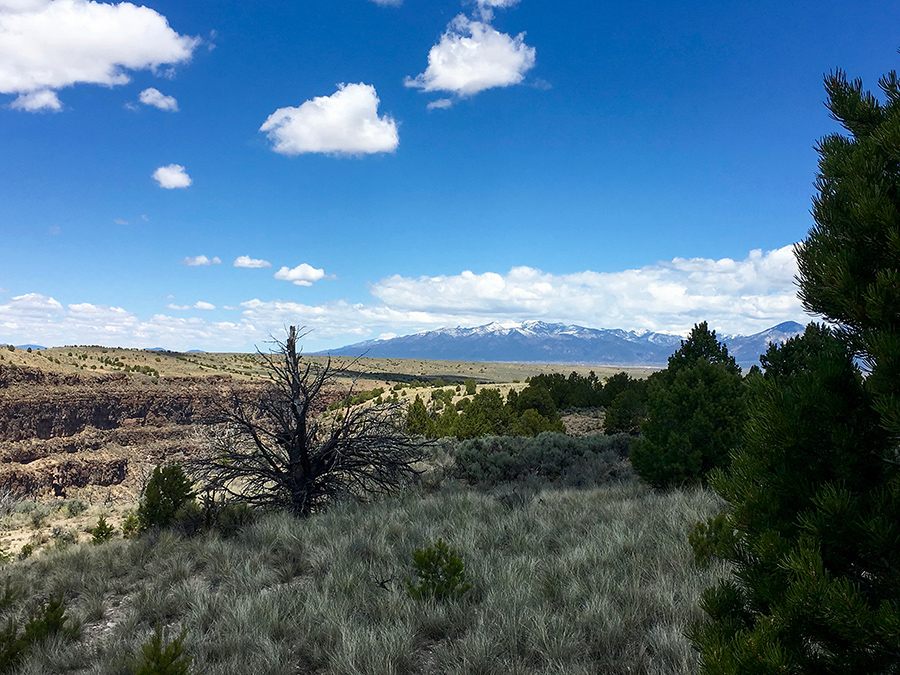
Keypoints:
pixel 695 411
pixel 813 533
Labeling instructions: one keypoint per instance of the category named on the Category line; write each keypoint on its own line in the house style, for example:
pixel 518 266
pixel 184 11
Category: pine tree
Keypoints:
pixel 695 411
pixel 813 533
pixel 702 344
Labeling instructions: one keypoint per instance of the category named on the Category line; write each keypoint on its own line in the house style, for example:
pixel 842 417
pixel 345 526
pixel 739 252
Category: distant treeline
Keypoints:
pixel 531 411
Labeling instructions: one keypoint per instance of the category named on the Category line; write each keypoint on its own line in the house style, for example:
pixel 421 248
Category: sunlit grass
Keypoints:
pixel 568 581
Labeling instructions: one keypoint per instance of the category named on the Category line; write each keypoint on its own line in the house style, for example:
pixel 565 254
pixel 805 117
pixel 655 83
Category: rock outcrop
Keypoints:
pixel 60 433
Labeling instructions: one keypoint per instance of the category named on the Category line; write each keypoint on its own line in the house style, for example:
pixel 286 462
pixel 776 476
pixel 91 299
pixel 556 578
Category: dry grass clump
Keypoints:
pixel 564 581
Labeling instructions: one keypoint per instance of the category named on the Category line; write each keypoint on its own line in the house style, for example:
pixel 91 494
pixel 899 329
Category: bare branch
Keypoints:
pixel 284 450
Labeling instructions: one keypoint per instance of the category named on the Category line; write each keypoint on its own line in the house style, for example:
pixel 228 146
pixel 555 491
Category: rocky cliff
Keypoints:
pixel 63 433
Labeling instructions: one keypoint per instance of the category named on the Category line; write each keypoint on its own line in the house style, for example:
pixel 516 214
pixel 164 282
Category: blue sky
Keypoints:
pixel 202 174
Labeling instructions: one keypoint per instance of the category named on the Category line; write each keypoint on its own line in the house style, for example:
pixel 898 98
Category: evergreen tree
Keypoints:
pixel 628 409
pixel 695 411
pixel 417 420
pixel 850 263
pixel 694 419
pixel 813 533
pixel 167 494
pixel 701 344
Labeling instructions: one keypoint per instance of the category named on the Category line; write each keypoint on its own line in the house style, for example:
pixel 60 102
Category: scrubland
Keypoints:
pixel 563 581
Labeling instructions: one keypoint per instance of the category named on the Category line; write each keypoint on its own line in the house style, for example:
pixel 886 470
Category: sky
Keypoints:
pixel 200 175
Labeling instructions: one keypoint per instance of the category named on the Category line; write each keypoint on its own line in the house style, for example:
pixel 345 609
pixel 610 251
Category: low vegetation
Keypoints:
pixel 562 581
pixel 762 539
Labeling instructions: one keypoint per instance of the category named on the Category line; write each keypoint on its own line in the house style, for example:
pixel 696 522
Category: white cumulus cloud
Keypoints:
pixel 301 275
pixel 472 56
pixel 253 263
pixel 740 296
pixel 172 176
pixel 201 261
pixel 486 7
pixel 440 104
pixel 735 296
pixel 159 100
pixel 47 45
pixel 32 317
pixel 42 100
pixel 345 123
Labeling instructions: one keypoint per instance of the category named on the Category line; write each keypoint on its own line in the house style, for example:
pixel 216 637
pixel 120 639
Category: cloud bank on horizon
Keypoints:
pixel 736 296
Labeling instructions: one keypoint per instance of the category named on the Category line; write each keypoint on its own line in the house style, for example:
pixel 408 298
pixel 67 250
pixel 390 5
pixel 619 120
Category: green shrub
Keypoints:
pixel 166 497
pixel 12 647
pixel 164 659
pixel 811 534
pixel 102 532
pixel 589 460
pixel 50 620
pixel 628 408
pixel 27 550
pixel 440 571
pixel 131 525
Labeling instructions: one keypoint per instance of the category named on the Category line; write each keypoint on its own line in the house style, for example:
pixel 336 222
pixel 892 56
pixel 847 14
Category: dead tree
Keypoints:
pixel 280 450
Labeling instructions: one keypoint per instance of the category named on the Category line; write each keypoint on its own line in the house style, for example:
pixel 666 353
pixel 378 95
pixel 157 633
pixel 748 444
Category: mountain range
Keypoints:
pixel 539 342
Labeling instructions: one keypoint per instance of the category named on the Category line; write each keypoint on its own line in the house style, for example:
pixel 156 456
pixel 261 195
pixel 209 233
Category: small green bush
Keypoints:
pixel 102 532
pixel 49 620
pixel 131 525
pixel 167 495
pixel 164 659
pixel 440 571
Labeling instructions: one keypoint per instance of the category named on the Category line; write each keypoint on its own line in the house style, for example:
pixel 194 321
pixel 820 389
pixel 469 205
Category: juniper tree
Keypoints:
pixel 813 533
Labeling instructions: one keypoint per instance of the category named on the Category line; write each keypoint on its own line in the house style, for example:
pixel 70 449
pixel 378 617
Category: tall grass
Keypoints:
pixel 568 581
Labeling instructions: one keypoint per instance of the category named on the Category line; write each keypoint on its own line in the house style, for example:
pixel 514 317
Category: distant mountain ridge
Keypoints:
pixel 540 342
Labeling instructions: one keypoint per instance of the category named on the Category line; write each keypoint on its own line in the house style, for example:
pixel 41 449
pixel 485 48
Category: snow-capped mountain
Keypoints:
pixel 540 342
pixel 746 349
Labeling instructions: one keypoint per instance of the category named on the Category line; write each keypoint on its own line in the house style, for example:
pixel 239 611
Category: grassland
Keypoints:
pixel 106 360
pixel 597 580
pixel 563 581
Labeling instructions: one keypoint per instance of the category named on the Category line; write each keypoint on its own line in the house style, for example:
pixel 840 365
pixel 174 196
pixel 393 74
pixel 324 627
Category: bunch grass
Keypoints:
pixel 563 581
